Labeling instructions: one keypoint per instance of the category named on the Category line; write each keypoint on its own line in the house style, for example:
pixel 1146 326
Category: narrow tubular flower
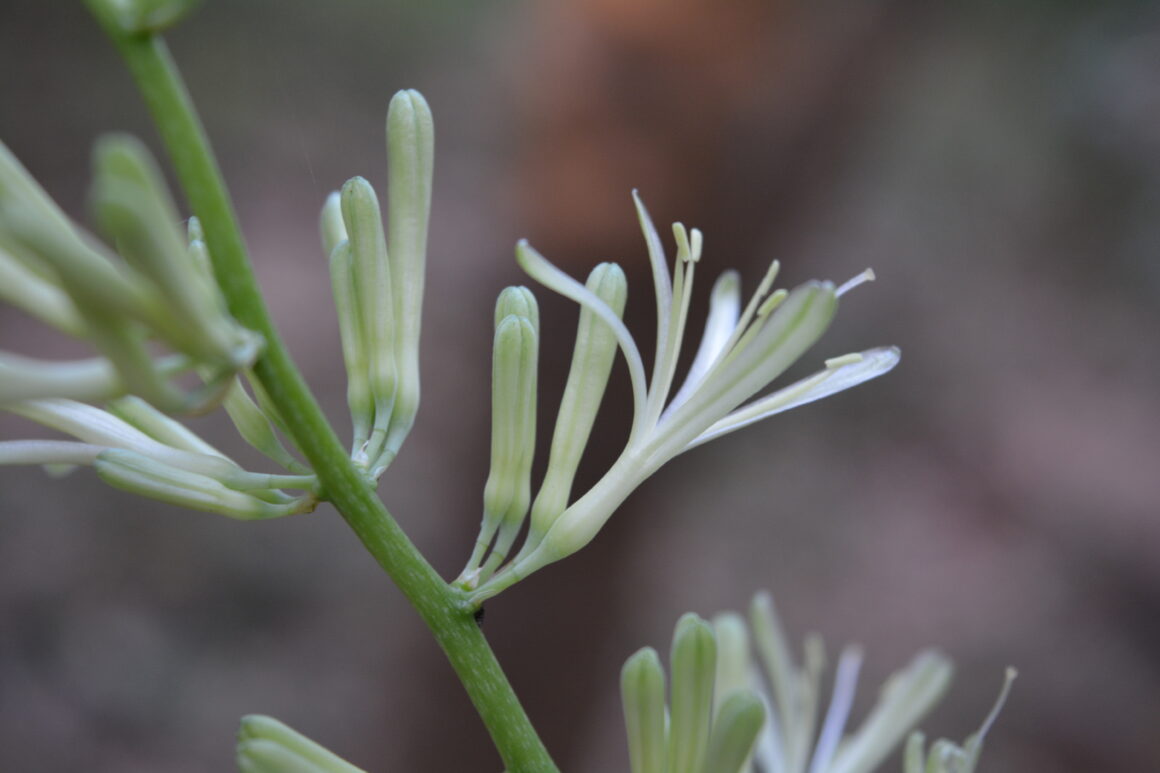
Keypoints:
pixel 742 350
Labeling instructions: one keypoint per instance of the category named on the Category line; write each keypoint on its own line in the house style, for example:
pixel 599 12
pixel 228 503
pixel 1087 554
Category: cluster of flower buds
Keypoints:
pixel 156 289
pixel 741 352
pixel 729 711
pixel 377 279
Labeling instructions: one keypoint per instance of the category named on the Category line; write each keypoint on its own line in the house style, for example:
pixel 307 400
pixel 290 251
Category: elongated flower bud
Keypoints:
pixel 371 275
pixel 410 169
pixel 138 474
pixel 140 414
pixel 694 667
pixel 642 692
pixel 507 492
pixel 355 353
pixel 587 379
pixel 266 745
pixel 735 728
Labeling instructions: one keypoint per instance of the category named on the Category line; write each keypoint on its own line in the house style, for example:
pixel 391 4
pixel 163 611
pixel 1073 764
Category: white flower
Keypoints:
pixel 741 352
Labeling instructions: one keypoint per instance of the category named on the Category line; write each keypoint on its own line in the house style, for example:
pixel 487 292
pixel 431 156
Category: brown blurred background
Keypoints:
pixel 997 163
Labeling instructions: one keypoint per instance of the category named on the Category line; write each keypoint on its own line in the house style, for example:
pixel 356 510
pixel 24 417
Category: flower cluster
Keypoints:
pixel 729 711
pixel 156 289
pixel 377 278
pixel 741 352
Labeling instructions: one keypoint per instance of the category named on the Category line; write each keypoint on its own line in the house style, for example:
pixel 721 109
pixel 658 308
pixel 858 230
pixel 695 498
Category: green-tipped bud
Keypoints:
pixel 266 745
pixel 735 729
pixel 733 656
pixel 355 353
pixel 410 167
pixel 948 757
pixel 513 427
pixel 694 666
pixel 587 379
pixel 136 211
pixel 373 280
pixel 642 691
pixel 138 474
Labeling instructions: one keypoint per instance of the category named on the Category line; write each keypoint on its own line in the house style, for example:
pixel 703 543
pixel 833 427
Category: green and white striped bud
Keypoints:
pixel 410 170
pixel 507 492
pixel 642 692
pixel 733 656
pixel 370 273
pixel 592 360
pixel 355 352
pixel 140 414
pixel 330 223
pixel 736 726
pixel 266 745
pixel 694 667
pixel 138 474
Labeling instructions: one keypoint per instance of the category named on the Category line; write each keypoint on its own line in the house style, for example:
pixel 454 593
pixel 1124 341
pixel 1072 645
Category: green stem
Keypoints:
pixel 443 608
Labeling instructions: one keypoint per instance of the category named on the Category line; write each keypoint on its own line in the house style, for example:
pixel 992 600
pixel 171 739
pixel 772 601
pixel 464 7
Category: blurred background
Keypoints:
pixel 997 496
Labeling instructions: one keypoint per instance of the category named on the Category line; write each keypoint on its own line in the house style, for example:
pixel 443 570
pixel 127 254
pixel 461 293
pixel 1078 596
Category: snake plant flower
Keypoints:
pixel 732 711
pixel 742 351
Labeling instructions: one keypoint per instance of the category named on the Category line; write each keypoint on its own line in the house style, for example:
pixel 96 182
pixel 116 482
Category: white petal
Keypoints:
pixel 845 684
pixel 663 285
pixel 47 452
pixel 724 311
pixel 872 363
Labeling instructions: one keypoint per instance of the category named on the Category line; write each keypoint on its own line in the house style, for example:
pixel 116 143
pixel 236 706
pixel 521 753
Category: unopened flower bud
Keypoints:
pixel 372 278
pixel 736 726
pixel 138 474
pixel 694 665
pixel 592 360
pixel 507 492
pixel 410 170
pixel 642 692
pixel 266 745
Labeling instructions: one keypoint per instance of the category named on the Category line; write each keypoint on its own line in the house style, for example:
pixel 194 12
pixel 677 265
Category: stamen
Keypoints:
pixel 850 284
